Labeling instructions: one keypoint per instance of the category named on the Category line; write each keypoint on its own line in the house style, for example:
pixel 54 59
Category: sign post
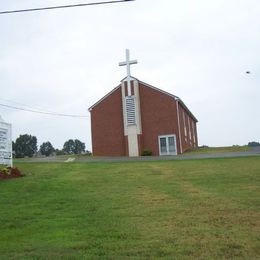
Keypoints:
pixel 6 157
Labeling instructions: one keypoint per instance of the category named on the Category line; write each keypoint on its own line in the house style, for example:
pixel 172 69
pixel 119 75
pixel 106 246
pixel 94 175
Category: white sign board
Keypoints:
pixel 5 143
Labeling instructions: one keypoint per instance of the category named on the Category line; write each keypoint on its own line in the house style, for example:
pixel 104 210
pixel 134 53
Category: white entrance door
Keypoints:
pixel 167 145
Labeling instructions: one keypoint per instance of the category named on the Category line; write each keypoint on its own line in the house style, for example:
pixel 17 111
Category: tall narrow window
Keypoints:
pixel 193 128
pixel 189 128
pixel 130 110
pixel 184 123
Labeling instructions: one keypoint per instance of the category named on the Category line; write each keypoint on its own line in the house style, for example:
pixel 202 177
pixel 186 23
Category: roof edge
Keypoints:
pixel 171 95
pixel 176 98
pixel 100 100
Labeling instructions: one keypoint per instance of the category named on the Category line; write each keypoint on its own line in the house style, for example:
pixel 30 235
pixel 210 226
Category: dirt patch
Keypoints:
pixel 10 173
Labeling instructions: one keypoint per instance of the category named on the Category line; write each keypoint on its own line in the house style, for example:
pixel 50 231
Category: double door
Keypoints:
pixel 167 145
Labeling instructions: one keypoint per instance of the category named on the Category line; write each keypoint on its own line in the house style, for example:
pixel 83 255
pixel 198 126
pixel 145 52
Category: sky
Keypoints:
pixel 65 60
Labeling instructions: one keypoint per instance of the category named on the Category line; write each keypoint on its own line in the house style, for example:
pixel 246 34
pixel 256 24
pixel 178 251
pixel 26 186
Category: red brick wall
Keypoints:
pixel 159 117
pixel 107 126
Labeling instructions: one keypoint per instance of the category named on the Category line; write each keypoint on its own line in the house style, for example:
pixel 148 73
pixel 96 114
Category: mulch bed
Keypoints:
pixel 12 173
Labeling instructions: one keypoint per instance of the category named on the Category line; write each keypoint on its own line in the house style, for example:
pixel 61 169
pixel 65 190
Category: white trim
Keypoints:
pixel 108 94
pixel 138 108
pixel 132 130
pixel 132 139
pixel 167 144
pixel 124 107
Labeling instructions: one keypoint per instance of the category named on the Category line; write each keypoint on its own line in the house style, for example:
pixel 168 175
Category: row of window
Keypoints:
pixel 190 137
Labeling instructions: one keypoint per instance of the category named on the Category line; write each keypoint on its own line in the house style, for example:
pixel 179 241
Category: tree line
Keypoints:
pixel 26 146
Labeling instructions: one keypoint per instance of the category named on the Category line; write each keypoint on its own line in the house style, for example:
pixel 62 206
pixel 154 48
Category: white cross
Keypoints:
pixel 127 63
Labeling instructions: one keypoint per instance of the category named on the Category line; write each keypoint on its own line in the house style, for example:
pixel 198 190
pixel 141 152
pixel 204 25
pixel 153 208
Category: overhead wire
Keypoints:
pixel 62 6
pixel 50 8
pixel 43 112
pixel 27 106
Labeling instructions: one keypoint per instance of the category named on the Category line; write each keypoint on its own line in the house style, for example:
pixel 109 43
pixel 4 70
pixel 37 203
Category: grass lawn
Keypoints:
pixel 225 149
pixel 202 209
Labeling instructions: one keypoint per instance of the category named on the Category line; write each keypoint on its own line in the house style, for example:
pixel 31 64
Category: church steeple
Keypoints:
pixel 131 108
pixel 128 63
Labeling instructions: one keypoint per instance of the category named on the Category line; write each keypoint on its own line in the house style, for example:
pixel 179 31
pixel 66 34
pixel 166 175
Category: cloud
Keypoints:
pixel 65 60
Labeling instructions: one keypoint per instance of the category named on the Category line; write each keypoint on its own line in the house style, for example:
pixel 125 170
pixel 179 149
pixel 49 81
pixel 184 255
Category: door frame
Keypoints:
pixel 167 144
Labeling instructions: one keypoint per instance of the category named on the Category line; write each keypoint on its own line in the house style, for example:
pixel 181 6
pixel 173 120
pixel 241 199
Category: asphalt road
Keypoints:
pixel 254 152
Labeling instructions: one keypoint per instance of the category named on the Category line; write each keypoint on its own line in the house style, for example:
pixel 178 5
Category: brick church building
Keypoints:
pixel 136 116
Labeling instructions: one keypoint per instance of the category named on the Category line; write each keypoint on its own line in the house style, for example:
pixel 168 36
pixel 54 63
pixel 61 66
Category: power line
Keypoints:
pixel 62 6
pixel 28 107
pixel 42 112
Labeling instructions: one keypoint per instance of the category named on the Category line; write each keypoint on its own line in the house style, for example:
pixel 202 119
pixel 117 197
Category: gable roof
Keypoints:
pixel 100 100
pixel 150 86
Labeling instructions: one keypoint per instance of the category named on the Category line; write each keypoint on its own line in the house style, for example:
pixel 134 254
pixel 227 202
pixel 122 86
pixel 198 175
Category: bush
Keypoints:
pixel 5 171
pixel 203 146
pixel 9 172
pixel 253 144
pixel 147 152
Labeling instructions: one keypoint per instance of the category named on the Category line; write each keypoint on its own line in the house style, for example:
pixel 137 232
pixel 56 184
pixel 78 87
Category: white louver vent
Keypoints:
pixel 130 110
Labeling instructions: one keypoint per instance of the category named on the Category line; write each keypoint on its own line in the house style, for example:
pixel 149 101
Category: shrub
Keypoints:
pixel 147 152
pixel 203 146
pixel 9 172
pixel 253 144
pixel 88 153
pixel 4 171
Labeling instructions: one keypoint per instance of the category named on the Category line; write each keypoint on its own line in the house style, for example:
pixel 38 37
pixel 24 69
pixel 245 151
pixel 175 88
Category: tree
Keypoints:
pixel 25 145
pixel 69 147
pixel 73 147
pixel 79 147
pixel 46 149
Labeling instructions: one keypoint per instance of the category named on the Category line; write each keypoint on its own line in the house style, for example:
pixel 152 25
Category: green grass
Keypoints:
pixel 201 209
pixel 225 149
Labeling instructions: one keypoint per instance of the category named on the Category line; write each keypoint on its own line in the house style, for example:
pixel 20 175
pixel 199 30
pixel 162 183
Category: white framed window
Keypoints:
pixel 167 144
